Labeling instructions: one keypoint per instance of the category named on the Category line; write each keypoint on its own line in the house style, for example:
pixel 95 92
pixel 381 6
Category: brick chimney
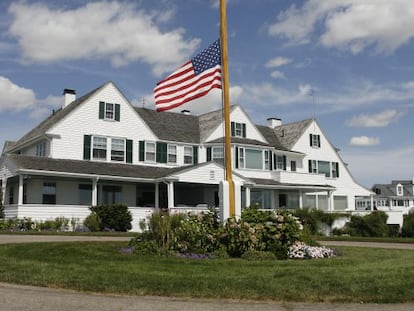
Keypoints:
pixel 70 96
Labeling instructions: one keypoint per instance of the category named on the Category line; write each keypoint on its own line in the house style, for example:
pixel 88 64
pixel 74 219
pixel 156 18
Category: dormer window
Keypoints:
pixel 41 149
pixel 400 190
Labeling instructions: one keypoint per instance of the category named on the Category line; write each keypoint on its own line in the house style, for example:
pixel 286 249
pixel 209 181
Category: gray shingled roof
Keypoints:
pixel 171 126
pixel 288 134
pixel 389 190
pixel 89 167
pixel 271 136
pixel 8 144
pixel 239 140
pixel 55 117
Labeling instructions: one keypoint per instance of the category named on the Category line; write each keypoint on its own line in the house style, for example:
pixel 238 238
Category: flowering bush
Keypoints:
pixel 302 251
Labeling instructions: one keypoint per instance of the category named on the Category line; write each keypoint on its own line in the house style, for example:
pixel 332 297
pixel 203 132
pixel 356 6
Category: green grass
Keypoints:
pixel 359 274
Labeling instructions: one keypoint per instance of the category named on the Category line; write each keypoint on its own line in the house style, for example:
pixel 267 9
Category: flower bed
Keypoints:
pixel 303 251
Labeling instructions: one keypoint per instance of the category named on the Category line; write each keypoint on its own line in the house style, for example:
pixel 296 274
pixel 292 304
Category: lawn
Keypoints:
pixel 358 275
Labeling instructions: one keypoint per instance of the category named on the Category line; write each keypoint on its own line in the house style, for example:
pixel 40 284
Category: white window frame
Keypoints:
pixel 109 112
pixel 217 153
pixel 172 154
pixel 400 190
pixel 316 141
pixel 242 158
pixel 150 156
pixel 117 153
pixel 99 146
pixel 293 166
pixel 41 149
pixel 266 159
pixel 188 155
pixel 238 129
pixel 279 162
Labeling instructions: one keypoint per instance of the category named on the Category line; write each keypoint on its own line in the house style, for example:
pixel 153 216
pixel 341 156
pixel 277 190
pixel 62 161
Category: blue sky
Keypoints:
pixel 356 56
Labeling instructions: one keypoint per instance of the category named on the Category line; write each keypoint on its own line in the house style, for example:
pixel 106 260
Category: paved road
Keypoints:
pixel 369 244
pixel 17 297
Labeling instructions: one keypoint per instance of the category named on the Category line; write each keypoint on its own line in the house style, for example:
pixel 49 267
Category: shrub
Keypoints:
pixel 93 222
pixel 408 226
pixel 1 204
pixel 113 217
pixel 371 225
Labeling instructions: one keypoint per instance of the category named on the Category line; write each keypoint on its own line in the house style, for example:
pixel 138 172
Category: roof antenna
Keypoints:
pixel 312 93
pixel 143 102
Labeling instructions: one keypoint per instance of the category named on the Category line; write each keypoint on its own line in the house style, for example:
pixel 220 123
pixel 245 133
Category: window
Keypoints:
pixel 41 149
pixel 324 168
pixel 238 129
pixel 188 155
pixel 253 159
pixel 109 111
pixel 99 148
pixel 400 190
pixel 293 166
pixel 150 151
pixel 117 149
pixel 315 140
pixel 49 193
pixel 280 162
pixel 217 153
pixel 85 194
pixel 111 194
pixel 241 157
pixel 335 169
pixel 172 154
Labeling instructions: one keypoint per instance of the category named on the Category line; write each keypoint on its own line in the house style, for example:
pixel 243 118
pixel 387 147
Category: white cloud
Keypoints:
pixel 14 97
pixel 115 30
pixel 353 25
pixel 278 61
pixel 381 119
pixel 364 141
pixel 277 74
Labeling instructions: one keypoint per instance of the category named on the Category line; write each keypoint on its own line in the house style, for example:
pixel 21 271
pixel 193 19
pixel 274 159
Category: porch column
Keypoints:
pixel 247 196
pixel 170 188
pixel 316 201
pixel 329 201
pixel 20 193
pixel 95 191
pixel 157 195
pixel 4 186
pixel 372 202
pixel 300 199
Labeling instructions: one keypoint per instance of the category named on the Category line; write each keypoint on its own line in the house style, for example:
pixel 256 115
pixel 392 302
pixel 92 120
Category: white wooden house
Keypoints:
pixel 100 149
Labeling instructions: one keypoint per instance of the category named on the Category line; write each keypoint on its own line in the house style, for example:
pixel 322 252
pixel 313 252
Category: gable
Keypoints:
pixel 247 129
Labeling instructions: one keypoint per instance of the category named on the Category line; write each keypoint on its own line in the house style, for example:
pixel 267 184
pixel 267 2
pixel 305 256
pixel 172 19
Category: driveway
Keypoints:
pixel 20 297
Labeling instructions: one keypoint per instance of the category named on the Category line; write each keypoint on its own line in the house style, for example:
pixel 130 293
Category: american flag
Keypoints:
pixel 192 80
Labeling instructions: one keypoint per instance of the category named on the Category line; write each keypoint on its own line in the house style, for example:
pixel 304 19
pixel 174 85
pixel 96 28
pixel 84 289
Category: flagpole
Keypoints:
pixel 225 81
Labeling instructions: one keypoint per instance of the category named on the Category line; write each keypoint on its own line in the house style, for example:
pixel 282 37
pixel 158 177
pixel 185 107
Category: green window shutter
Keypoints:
pixel 195 154
pixel 337 169
pixel 208 154
pixel 161 155
pixel 270 160
pixel 236 157
pixel 129 151
pixel 310 166
pixel 101 110
pixel 244 129
pixel 233 129
pixel 310 140
pixel 142 150
pixel 86 147
pixel 319 141
pixel 117 112
pixel 284 163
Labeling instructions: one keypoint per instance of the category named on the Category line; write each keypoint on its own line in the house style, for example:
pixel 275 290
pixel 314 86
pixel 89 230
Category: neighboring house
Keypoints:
pixel 100 149
pixel 396 199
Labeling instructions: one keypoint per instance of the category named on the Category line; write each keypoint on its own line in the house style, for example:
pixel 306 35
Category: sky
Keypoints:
pixel 348 63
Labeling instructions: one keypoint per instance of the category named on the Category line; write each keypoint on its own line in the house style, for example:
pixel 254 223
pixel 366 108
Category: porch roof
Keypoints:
pixel 80 167
pixel 273 184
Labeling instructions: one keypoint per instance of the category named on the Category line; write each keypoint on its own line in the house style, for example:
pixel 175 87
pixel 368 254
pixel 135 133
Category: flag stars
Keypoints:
pixel 208 58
